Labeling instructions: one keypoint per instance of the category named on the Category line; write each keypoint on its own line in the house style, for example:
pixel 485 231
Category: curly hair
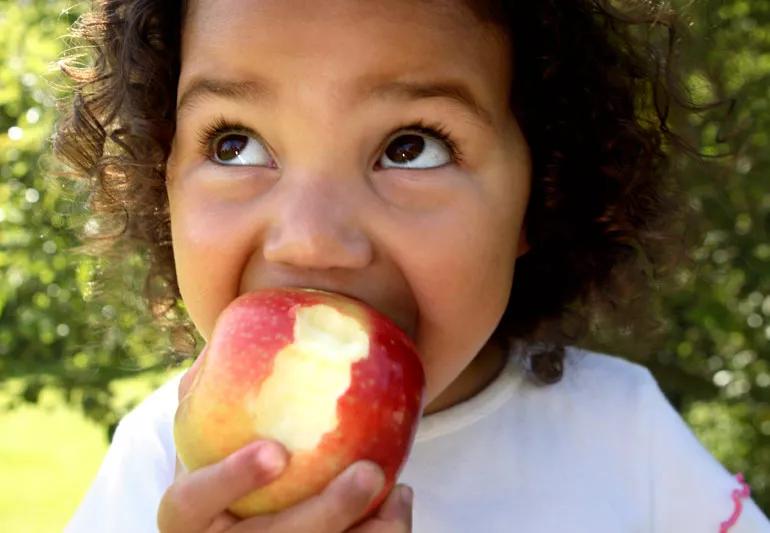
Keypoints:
pixel 594 84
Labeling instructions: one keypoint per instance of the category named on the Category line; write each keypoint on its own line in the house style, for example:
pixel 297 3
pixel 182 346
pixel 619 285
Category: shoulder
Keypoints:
pixel 601 410
pixel 157 410
pixel 689 489
pixel 598 383
pixel 591 368
pixel 147 431
pixel 137 469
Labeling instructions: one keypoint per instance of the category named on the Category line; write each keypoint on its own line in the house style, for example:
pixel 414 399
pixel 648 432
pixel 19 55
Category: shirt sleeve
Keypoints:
pixel 691 490
pixel 135 473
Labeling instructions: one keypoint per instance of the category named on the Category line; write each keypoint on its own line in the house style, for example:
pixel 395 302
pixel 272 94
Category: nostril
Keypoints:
pixel 309 249
pixel 315 224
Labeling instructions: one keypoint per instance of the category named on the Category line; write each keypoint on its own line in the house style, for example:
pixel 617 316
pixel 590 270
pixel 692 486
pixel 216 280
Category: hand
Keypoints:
pixel 197 501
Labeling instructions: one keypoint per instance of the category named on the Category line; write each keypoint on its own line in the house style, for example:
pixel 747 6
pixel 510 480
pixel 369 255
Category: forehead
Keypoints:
pixel 404 12
pixel 345 43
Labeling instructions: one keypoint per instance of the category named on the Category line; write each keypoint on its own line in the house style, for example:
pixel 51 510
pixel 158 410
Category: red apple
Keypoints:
pixel 329 377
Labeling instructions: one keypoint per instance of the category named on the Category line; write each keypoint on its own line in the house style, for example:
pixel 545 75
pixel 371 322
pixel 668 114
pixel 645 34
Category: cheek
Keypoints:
pixel 473 282
pixel 209 251
pixel 461 277
pixel 461 269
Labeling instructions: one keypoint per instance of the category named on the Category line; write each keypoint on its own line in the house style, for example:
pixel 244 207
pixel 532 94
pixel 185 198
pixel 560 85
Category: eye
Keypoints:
pixel 423 148
pixel 230 143
pixel 239 149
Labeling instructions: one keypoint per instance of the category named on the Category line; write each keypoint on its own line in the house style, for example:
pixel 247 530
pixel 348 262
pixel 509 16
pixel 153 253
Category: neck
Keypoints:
pixel 481 371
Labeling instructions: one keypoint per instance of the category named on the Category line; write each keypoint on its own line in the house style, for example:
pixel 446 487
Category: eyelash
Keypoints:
pixel 437 131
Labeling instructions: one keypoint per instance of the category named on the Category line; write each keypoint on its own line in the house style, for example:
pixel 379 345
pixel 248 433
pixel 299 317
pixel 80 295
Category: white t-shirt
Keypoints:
pixel 602 451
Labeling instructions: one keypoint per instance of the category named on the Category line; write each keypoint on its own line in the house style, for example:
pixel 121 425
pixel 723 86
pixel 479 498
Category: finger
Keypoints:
pixel 189 377
pixel 341 504
pixel 196 498
pixel 222 523
pixel 395 515
pixel 398 506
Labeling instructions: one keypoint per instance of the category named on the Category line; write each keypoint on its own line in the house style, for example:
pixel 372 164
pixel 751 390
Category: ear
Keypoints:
pixel 523 245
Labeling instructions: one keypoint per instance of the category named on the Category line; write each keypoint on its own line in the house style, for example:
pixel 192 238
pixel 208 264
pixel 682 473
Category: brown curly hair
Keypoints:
pixel 594 86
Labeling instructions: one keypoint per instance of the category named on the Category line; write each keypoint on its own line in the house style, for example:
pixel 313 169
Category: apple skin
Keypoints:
pixel 328 414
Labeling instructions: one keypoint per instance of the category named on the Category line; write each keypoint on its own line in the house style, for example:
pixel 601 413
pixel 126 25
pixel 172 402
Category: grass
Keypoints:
pixel 49 455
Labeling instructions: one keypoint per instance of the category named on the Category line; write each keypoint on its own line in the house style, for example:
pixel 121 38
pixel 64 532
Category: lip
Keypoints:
pixel 382 309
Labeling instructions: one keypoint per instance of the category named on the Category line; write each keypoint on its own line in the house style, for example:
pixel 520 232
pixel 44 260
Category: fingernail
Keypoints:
pixel 368 478
pixel 407 495
pixel 270 459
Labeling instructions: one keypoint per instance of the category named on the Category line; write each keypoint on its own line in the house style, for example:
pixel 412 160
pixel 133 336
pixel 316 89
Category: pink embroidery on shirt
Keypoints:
pixel 743 492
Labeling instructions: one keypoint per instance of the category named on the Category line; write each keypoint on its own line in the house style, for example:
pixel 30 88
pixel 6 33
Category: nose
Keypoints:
pixel 315 226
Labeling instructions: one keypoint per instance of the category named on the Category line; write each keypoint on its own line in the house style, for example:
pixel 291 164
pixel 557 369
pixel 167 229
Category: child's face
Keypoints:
pixel 319 187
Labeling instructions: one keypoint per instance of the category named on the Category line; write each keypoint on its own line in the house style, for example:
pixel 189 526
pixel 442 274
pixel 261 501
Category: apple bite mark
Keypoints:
pixel 318 364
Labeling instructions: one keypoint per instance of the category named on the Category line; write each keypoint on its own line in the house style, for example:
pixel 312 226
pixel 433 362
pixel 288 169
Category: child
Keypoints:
pixel 410 154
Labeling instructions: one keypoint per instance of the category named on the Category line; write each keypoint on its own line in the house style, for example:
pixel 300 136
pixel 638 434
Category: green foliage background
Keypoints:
pixel 61 330
pixel 59 327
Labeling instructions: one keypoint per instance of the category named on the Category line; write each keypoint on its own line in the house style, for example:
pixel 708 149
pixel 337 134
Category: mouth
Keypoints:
pixel 383 308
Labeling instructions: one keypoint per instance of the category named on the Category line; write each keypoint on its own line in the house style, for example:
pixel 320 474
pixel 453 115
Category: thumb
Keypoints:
pixel 189 377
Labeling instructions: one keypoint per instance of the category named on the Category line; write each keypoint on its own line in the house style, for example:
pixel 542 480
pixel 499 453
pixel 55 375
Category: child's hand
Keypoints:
pixel 197 501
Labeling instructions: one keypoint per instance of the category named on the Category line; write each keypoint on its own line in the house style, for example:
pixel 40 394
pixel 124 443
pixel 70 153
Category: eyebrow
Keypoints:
pixel 255 90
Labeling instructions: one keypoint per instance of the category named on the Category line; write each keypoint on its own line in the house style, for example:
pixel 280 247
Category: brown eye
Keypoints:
pixel 240 150
pixel 230 147
pixel 416 151
pixel 405 148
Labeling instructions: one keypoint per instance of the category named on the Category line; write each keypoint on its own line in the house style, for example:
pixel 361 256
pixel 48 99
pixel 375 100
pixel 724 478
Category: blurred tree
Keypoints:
pixel 719 319
pixel 712 353
pixel 58 328
pixel 63 328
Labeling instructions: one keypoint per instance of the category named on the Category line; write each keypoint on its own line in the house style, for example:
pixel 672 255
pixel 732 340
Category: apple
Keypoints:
pixel 329 377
